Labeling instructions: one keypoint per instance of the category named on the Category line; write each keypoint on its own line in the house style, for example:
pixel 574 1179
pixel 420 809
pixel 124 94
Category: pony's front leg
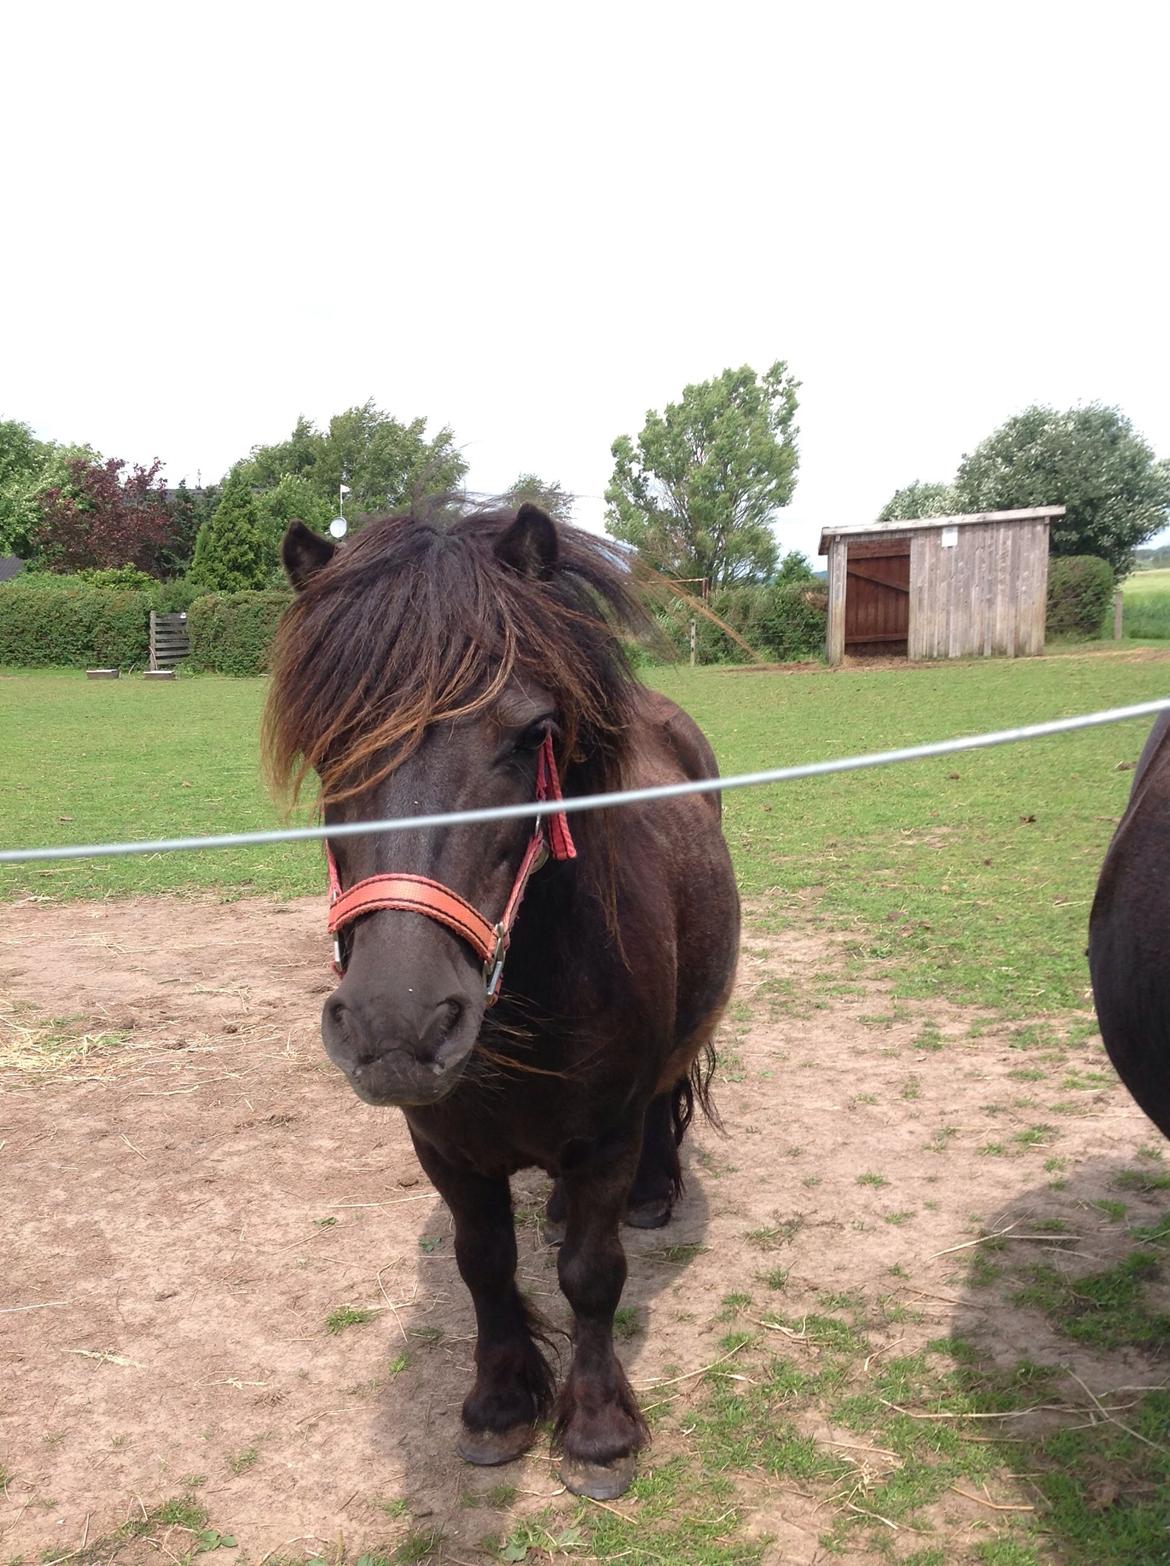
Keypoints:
pixel 513 1388
pixel 599 1425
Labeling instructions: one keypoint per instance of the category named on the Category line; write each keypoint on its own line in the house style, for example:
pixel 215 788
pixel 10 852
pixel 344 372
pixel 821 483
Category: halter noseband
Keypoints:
pixel 419 894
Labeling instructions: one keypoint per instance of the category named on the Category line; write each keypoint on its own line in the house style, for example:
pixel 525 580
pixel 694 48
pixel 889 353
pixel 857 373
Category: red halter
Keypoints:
pixel 419 894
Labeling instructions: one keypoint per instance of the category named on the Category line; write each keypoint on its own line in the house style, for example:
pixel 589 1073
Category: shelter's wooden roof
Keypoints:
pixel 921 524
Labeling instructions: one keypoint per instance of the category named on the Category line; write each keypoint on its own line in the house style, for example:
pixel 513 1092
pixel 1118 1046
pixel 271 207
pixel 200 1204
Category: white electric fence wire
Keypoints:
pixel 633 796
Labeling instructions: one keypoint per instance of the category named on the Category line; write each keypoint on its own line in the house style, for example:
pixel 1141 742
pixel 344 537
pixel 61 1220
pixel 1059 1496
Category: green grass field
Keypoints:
pixel 969 877
pixel 1148 617
pixel 1141 584
pixel 1147 605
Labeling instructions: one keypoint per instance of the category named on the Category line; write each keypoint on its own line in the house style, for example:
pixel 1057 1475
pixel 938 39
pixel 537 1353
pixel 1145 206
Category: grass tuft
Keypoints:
pixel 348 1316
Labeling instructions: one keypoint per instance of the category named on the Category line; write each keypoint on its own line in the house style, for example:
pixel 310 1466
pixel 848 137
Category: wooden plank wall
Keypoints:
pixel 985 595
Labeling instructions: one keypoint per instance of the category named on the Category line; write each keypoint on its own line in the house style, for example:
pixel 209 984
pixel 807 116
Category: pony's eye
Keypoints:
pixel 534 735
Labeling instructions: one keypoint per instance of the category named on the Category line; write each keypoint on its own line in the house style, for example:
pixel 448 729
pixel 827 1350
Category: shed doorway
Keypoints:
pixel 877 598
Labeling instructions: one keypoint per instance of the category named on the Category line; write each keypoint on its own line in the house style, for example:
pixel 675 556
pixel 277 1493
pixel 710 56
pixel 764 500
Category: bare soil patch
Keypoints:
pixel 190 1201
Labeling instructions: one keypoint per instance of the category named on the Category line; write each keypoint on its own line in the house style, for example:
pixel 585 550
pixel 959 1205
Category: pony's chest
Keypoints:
pixel 520 1125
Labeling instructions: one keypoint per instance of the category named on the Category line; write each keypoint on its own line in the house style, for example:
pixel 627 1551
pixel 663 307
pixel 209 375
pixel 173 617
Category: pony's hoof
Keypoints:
pixel 599 1481
pixel 653 1214
pixel 490 1448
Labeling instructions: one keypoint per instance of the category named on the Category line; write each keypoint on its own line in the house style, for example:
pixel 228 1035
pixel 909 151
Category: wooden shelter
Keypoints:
pixel 940 587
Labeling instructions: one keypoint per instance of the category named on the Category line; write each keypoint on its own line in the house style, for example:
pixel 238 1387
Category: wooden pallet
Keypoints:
pixel 169 643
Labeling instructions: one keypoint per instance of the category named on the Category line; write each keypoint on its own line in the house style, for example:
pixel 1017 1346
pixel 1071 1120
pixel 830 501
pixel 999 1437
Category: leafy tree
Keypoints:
pixel 27 466
pixel 1090 460
pixel 920 500
pixel 293 498
pixel 795 567
pixel 549 496
pixel 229 551
pixel 21 464
pixel 102 516
pixel 696 494
pixel 388 465
pixel 190 509
pixel 267 465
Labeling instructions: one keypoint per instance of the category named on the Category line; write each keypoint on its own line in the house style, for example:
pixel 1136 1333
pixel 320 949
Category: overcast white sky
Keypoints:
pixel 534 222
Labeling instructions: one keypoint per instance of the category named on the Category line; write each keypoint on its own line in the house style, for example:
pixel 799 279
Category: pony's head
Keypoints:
pixel 419 670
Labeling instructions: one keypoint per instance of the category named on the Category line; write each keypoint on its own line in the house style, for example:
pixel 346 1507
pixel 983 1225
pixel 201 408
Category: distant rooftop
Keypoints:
pixel 919 524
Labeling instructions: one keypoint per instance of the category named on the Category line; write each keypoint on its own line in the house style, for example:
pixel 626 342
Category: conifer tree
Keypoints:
pixel 229 551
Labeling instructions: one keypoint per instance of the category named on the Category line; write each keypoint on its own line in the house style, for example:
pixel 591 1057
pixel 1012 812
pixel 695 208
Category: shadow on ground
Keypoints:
pixel 1064 1326
pixel 417 1423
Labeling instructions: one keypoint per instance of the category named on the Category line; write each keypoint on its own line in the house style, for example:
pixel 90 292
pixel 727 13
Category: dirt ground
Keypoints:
pixel 188 1202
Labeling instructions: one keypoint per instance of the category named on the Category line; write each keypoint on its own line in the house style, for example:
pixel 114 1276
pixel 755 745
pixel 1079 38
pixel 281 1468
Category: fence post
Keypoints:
pixel 692 644
pixel 1118 613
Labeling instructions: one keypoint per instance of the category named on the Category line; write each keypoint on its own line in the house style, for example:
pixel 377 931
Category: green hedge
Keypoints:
pixel 231 632
pixel 784 623
pixel 65 621
pixel 1080 593
pixel 175 596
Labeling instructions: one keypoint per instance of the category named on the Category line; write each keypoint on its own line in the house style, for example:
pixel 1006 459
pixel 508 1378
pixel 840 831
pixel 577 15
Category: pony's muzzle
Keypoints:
pixel 406 1054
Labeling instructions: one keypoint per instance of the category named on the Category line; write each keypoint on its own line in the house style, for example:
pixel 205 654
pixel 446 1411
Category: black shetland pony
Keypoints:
pixel 1129 935
pixel 446 664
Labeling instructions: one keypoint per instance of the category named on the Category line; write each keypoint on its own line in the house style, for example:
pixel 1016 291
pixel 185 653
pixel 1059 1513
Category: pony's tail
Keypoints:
pixel 694 1088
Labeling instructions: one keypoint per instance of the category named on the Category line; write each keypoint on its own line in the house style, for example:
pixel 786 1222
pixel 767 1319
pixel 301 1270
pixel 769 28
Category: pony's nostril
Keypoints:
pixel 337 1021
pixel 337 1026
pixel 444 1050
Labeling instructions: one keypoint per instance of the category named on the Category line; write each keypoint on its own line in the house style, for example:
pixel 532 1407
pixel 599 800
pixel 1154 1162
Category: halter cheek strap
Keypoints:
pixel 419 894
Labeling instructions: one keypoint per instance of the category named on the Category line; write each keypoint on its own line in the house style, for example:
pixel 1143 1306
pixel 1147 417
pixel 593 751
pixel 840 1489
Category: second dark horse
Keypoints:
pixel 1129 935
pixel 428 666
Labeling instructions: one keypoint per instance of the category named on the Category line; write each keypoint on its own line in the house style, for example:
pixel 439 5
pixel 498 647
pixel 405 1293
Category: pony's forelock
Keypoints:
pixel 417 622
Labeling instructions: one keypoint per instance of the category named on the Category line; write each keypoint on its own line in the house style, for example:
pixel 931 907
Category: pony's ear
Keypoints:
pixel 530 545
pixel 304 553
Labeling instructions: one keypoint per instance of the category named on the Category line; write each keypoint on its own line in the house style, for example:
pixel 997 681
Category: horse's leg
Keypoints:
pixel 658 1180
pixel 513 1387
pixel 555 1213
pixel 659 1177
pixel 599 1426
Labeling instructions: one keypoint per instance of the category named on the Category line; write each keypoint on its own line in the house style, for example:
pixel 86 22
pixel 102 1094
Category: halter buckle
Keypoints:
pixel 493 969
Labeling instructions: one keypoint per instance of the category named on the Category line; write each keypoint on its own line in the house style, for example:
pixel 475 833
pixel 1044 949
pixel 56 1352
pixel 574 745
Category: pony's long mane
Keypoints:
pixel 417 621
